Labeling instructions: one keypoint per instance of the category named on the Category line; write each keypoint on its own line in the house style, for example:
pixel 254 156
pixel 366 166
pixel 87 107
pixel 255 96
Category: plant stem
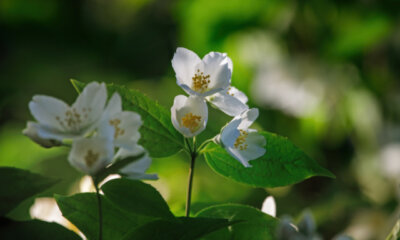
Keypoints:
pixel 193 156
pixel 100 209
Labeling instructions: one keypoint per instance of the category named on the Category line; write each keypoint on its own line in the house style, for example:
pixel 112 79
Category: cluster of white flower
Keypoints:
pixel 209 79
pixel 98 134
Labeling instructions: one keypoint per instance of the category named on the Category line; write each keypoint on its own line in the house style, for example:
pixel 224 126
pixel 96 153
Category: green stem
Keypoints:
pixel 100 209
pixel 193 155
pixel 190 184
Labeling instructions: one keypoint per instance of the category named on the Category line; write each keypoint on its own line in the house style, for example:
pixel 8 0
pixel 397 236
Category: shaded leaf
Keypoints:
pixel 283 164
pixel 178 229
pixel 16 185
pixel 34 229
pixel 82 210
pixel 136 197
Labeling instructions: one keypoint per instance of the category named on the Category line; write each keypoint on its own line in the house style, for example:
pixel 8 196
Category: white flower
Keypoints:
pixel 136 169
pixel 124 124
pixel 240 141
pixel 31 131
pixel 58 121
pixel 90 155
pixel 202 77
pixel 231 101
pixel 189 115
pixel 269 206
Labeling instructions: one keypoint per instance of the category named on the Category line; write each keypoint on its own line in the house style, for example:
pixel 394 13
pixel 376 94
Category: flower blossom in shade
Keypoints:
pixel 189 115
pixel 231 101
pixel 90 155
pixel 57 120
pixel 241 142
pixel 202 77
pixel 124 124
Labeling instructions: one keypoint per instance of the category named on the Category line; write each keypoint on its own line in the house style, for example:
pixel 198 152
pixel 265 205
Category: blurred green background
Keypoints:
pixel 323 73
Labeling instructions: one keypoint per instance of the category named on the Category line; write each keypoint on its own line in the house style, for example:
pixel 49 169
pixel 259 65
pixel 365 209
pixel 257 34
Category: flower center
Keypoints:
pixel 91 158
pixel 72 118
pixel 200 82
pixel 118 131
pixel 191 121
pixel 240 142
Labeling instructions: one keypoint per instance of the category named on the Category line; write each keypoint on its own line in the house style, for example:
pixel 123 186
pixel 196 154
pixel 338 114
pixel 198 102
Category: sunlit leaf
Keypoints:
pixel 283 164
pixel 253 225
pixel 158 135
pixel 16 185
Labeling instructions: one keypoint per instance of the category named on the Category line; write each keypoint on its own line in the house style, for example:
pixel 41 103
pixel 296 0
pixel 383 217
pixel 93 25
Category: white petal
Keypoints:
pixel 90 155
pixel 47 109
pixel 124 153
pixel 114 105
pixel 269 206
pixel 32 130
pixel 126 133
pixel 228 104
pixel 237 94
pixel 230 133
pixel 189 106
pixel 184 63
pixel 90 103
pixel 136 169
pixel 248 117
pixel 217 66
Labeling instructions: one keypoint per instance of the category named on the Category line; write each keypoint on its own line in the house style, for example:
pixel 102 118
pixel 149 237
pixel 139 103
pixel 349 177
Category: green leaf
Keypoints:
pixel 254 225
pixel 82 210
pixel 34 229
pixel 16 185
pixel 136 197
pixel 158 135
pixel 178 229
pixel 283 164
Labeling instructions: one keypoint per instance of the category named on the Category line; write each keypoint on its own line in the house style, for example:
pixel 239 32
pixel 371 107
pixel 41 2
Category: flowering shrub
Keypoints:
pixel 119 137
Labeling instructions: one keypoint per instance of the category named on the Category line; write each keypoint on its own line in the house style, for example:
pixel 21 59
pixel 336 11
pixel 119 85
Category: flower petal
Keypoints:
pixel 47 109
pixel 230 133
pixel 237 94
pixel 248 117
pixel 269 206
pixel 184 63
pixel 217 66
pixel 90 103
pixel 32 131
pixel 228 104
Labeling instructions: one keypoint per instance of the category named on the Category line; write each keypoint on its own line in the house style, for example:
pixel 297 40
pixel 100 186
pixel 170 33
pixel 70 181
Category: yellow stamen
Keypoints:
pixel 191 121
pixel 91 158
pixel 240 142
pixel 118 131
pixel 200 82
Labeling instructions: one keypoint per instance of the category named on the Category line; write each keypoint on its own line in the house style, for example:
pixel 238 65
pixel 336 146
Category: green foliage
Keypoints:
pixel 34 229
pixel 178 229
pixel 253 225
pixel 136 197
pixel 18 185
pixel 82 210
pixel 158 135
pixel 283 164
